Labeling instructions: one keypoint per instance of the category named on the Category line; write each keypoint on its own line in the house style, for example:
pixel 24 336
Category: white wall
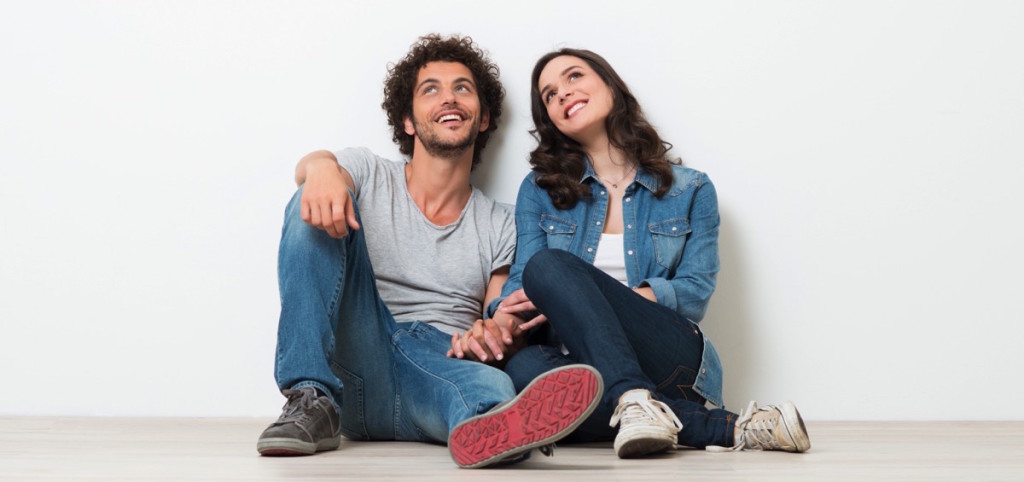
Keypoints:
pixel 867 157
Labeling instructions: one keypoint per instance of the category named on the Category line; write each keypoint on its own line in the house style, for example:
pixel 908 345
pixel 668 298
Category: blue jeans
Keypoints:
pixel 631 341
pixel 390 381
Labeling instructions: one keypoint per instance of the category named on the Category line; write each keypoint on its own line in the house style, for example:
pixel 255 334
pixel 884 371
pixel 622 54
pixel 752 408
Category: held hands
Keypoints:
pixel 518 302
pixel 492 340
pixel 489 341
pixel 326 203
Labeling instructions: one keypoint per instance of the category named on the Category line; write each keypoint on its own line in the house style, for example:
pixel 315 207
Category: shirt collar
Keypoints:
pixel 642 177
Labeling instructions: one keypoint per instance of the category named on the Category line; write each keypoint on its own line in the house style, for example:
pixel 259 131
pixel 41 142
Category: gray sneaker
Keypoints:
pixel 548 409
pixel 308 424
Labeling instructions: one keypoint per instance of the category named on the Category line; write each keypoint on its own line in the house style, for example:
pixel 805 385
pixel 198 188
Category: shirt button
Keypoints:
pixel 590 250
pixel 673 228
pixel 629 226
pixel 599 223
pixel 551 228
pixel 627 199
pixel 602 193
pixel 630 252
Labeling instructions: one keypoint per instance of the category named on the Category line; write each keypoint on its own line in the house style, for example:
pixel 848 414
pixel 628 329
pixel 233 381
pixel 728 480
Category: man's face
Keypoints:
pixel 446 116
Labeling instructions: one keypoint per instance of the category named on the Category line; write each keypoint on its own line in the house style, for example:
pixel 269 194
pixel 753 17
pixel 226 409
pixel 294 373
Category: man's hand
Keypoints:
pixel 488 341
pixel 326 203
pixel 518 302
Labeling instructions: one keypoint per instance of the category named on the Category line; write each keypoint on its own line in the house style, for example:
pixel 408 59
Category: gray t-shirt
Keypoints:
pixel 425 272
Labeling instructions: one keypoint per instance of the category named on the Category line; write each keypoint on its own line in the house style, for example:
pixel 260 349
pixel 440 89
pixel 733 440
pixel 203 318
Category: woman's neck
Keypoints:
pixel 611 164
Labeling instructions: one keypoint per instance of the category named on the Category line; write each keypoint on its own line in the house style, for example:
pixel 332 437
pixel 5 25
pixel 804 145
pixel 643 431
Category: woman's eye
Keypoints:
pixel 548 96
pixel 575 75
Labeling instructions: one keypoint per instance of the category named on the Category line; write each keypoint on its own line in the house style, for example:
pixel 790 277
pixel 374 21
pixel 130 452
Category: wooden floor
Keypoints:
pixel 118 449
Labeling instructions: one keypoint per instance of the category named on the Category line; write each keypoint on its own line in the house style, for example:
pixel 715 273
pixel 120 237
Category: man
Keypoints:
pixel 381 261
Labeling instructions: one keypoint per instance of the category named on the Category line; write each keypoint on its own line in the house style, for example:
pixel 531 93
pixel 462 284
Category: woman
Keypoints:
pixel 618 253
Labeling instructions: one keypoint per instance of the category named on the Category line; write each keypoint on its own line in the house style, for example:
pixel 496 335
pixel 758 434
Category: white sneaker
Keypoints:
pixel 646 426
pixel 772 427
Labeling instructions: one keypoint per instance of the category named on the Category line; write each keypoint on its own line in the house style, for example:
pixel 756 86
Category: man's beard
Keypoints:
pixel 442 148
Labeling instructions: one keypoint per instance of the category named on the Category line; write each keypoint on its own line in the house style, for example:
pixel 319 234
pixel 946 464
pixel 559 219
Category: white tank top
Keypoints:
pixel 610 257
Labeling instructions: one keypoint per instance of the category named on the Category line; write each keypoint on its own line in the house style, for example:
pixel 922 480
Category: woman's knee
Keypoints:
pixel 542 267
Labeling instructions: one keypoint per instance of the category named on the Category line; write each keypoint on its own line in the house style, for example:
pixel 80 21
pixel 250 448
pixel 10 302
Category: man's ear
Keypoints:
pixel 485 121
pixel 409 128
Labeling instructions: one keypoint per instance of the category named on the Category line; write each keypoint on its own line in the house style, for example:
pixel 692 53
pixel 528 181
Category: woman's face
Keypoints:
pixel 576 98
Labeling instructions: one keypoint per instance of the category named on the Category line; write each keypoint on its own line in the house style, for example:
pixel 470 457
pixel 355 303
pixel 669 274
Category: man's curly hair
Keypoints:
pixel 401 81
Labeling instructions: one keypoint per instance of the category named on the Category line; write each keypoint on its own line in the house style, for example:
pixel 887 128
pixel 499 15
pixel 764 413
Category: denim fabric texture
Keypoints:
pixel 390 381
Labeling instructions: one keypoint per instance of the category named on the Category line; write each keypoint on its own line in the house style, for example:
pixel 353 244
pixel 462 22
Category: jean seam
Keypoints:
pixel 354 389
pixel 413 362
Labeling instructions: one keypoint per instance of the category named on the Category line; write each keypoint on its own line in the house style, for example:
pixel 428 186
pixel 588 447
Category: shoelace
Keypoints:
pixel 754 434
pixel 645 410
pixel 296 407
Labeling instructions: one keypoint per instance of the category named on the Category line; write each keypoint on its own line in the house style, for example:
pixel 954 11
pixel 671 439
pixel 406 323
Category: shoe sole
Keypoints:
pixel 794 424
pixel 548 409
pixel 290 446
pixel 638 443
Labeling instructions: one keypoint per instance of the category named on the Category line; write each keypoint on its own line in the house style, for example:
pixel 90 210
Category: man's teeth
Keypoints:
pixel 575 108
pixel 449 117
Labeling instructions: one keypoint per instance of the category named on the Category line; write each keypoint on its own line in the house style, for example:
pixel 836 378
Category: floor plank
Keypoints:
pixel 123 449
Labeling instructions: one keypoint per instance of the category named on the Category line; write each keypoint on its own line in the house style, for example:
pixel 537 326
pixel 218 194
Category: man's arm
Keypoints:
pixel 326 203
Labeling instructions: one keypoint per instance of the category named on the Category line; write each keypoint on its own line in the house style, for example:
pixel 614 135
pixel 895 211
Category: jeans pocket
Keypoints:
pixel 559 231
pixel 679 385
pixel 669 239
pixel 353 423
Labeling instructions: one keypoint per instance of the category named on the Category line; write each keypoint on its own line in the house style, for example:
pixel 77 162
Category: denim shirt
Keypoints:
pixel 671 244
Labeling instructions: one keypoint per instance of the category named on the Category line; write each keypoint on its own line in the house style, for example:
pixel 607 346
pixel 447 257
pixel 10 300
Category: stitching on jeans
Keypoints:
pixel 412 361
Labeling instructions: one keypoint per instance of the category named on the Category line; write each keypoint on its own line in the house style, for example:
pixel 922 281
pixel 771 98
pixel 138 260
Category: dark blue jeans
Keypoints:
pixel 631 341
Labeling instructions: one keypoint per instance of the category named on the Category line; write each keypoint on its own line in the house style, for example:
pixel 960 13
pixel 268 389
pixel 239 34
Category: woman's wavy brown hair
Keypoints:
pixel 401 82
pixel 559 162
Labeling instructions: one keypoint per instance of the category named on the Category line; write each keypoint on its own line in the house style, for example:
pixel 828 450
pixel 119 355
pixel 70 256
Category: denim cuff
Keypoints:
pixel 319 386
pixel 663 292
pixel 492 307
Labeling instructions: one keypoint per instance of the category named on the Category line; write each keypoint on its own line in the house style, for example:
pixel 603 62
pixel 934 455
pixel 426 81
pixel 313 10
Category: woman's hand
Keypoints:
pixel 518 302
pixel 646 292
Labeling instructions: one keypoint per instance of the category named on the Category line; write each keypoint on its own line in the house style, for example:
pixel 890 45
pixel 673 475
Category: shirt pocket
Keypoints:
pixel 669 239
pixel 559 231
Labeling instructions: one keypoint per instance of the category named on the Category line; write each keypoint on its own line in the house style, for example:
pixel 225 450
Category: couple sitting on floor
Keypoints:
pixel 415 308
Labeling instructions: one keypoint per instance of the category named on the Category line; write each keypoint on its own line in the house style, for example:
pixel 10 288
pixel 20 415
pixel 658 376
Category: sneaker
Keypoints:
pixel 646 426
pixel 308 424
pixel 548 409
pixel 771 428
